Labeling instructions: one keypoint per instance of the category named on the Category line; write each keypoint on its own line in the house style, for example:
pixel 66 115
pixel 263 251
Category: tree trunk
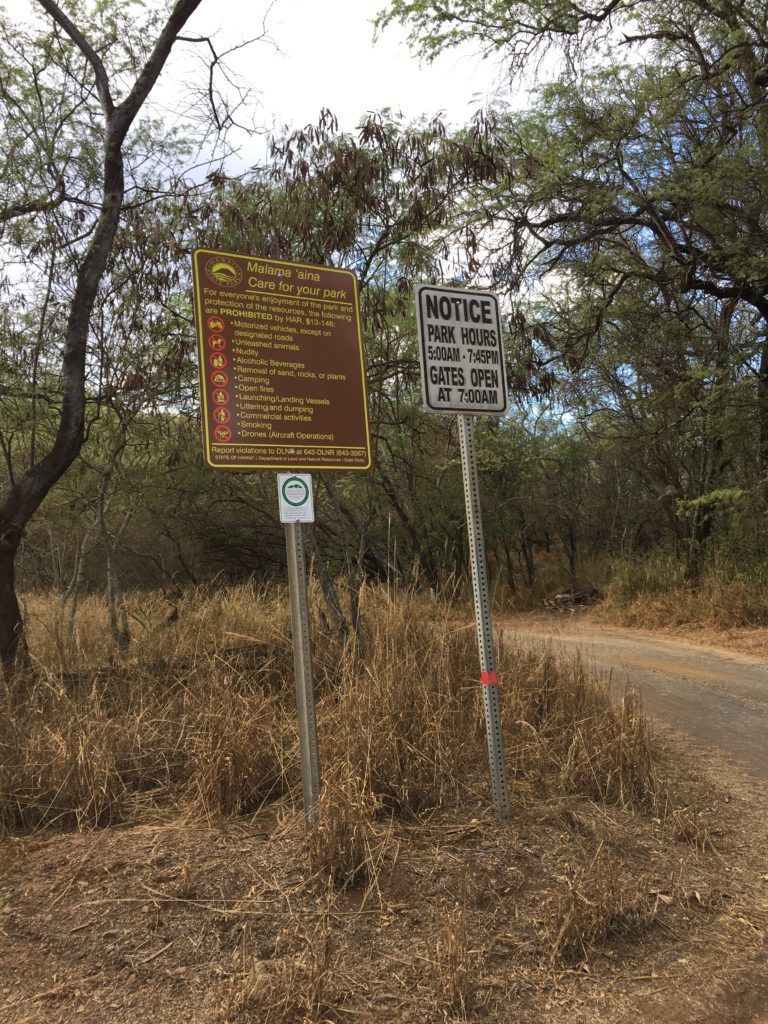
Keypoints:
pixel 526 549
pixel 352 562
pixel 507 549
pixel 571 539
pixel 762 405
pixel 327 586
pixel 20 503
pixel 13 648
pixel 116 609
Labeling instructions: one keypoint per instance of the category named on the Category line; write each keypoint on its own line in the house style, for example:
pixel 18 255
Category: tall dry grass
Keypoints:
pixel 654 593
pixel 567 731
pixel 202 714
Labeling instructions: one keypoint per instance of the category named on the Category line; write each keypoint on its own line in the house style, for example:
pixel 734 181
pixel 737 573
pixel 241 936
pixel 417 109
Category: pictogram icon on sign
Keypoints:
pixel 222 434
pixel 217 359
pixel 220 396
pixel 216 342
pixel 221 415
pixel 219 378
pixel 215 324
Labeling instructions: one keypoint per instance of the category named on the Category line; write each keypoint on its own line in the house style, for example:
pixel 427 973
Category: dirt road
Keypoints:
pixel 715 696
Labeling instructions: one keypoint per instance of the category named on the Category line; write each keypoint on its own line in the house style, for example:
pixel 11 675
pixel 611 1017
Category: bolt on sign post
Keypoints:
pixel 282 382
pixel 462 372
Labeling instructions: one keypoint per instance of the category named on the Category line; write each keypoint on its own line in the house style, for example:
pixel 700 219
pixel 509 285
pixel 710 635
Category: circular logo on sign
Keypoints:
pixel 216 342
pixel 219 378
pixel 220 396
pixel 223 272
pixel 295 491
pixel 217 359
pixel 221 415
pixel 222 434
pixel 215 323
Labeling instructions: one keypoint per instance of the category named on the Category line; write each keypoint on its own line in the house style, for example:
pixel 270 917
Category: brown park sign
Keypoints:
pixel 280 354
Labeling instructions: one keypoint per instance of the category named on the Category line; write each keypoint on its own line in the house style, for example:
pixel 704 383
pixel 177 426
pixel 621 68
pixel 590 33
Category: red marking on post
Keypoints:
pixel 488 678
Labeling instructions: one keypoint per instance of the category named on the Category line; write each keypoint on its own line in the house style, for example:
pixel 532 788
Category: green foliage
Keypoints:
pixel 620 218
pixel 632 212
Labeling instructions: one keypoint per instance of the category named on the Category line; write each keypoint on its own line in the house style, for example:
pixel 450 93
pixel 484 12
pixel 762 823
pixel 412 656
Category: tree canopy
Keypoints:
pixel 619 213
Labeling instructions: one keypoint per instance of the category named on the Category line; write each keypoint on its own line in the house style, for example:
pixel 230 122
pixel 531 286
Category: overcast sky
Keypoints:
pixel 323 55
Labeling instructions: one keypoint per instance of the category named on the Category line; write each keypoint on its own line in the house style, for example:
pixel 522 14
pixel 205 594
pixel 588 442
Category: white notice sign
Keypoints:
pixel 460 350
pixel 294 492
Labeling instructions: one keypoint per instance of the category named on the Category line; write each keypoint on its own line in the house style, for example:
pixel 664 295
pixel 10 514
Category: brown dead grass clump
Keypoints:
pixel 404 712
pixel 299 983
pixel 237 748
pixel 454 963
pixel 399 715
pixel 60 761
pixel 690 825
pixel 346 845
pixel 598 904
pixel 90 758
pixel 569 735
pixel 227 623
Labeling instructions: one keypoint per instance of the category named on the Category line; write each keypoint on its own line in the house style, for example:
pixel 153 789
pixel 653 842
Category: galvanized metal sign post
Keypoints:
pixel 488 677
pixel 282 384
pixel 296 507
pixel 462 364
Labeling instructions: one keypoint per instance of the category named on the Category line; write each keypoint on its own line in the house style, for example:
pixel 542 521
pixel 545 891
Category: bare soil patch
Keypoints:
pixel 571 910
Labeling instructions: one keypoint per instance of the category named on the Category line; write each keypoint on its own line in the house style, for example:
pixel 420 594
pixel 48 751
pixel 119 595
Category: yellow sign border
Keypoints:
pixel 208 444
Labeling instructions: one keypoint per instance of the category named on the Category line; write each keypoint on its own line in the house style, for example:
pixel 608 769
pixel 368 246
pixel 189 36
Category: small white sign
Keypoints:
pixel 461 351
pixel 294 492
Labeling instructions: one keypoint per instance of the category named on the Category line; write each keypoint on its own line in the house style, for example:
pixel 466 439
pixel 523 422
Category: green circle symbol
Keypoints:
pixel 301 495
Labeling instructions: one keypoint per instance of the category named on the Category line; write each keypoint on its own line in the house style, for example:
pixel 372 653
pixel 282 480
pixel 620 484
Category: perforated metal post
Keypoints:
pixel 302 661
pixel 491 698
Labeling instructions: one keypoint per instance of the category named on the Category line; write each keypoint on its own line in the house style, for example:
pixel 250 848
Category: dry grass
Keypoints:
pixel 568 734
pixel 599 903
pixel 238 749
pixel 691 825
pixel 299 983
pixel 201 713
pixel 89 757
pixel 166 631
pixel 453 974
pixel 59 761
pixel 409 900
pixel 347 845
pixel 406 715
pixel 655 594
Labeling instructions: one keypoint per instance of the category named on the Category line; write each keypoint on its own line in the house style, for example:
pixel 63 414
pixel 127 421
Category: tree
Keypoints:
pixel 380 203
pixel 632 195
pixel 71 92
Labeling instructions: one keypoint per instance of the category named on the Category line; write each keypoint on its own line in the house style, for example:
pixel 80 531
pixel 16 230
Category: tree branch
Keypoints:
pixel 77 37
pixel 149 74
